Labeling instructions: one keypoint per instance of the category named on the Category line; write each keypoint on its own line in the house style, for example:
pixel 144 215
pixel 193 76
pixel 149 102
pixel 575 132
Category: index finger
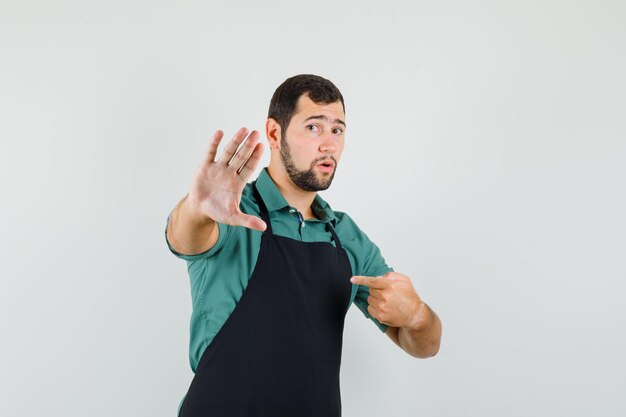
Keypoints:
pixel 371 282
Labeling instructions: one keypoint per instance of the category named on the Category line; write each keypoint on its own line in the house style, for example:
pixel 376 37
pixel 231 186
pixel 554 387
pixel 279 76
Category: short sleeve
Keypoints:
pixel 224 231
pixel 370 263
pixel 360 300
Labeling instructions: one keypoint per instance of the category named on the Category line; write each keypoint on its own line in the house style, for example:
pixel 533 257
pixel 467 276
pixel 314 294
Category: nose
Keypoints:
pixel 328 144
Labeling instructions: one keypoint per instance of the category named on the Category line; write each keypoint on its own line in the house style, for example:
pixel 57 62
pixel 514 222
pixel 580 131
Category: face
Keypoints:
pixel 312 144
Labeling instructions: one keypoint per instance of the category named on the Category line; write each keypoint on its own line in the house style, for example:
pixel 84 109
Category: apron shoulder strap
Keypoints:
pixel 335 238
pixel 263 208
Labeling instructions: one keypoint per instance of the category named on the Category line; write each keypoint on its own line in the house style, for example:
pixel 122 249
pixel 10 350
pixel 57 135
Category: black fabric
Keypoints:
pixel 279 352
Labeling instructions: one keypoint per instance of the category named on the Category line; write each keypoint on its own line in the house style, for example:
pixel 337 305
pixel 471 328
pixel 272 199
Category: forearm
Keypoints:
pixel 188 232
pixel 422 337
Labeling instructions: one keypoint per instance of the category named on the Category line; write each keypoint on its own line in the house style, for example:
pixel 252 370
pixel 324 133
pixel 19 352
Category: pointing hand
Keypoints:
pixel 392 300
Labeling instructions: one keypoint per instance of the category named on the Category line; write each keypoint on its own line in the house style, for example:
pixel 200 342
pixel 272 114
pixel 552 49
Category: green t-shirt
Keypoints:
pixel 220 275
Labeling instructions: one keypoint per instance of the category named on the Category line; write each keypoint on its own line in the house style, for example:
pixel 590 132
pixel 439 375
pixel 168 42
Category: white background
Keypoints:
pixel 484 154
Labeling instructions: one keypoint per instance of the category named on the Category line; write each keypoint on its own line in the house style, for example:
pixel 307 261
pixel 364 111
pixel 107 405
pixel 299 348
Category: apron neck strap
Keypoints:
pixel 335 238
pixel 264 214
pixel 266 217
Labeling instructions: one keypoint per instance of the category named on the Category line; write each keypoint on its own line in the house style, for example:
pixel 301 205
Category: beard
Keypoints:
pixel 305 179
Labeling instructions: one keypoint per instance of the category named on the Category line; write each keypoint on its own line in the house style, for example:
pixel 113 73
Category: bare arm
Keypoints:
pixel 215 195
pixel 189 234
pixel 423 339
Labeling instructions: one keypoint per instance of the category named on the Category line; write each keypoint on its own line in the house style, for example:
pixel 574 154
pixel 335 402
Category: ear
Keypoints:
pixel 273 132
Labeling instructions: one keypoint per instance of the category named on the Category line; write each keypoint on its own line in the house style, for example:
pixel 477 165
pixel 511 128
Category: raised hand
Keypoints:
pixel 217 186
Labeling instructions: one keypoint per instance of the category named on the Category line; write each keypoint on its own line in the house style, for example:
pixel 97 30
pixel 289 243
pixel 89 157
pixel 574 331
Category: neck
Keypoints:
pixel 295 196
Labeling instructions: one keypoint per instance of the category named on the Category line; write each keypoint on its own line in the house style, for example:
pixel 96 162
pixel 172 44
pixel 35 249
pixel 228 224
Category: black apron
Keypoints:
pixel 279 352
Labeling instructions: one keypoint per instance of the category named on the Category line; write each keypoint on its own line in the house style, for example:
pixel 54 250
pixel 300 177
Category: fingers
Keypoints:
pixel 244 159
pixel 371 282
pixel 250 165
pixel 374 313
pixel 376 292
pixel 241 156
pixel 232 146
pixel 213 144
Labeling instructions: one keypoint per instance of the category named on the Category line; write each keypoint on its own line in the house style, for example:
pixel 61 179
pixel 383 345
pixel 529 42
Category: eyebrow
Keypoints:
pixel 324 118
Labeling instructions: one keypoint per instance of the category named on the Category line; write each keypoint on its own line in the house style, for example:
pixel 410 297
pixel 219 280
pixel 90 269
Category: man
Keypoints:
pixel 274 269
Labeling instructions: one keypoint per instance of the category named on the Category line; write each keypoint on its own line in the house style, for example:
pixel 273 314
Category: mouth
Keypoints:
pixel 326 166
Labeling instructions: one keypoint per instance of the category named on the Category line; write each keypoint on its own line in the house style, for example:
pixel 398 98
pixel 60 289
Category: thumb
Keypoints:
pixel 251 222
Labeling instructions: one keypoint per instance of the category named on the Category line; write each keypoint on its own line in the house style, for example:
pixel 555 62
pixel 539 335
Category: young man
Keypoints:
pixel 274 269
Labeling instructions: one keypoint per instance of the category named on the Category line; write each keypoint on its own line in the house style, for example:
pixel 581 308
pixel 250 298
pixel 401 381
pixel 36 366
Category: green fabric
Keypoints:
pixel 220 275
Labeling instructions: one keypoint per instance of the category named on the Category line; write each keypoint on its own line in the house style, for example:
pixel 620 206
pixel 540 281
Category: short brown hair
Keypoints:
pixel 285 98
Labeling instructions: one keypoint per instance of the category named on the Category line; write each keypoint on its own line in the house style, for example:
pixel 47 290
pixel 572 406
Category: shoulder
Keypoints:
pixel 367 255
pixel 347 226
pixel 349 231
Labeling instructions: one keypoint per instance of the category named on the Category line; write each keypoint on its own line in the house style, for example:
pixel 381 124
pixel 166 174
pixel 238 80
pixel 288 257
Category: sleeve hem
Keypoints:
pixel 223 230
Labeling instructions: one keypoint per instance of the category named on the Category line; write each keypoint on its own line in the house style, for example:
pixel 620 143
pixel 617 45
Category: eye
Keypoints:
pixel 338 130
pixel 312 128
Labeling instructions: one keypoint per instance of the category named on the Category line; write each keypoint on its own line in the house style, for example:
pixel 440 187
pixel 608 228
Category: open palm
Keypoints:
pixel 218 184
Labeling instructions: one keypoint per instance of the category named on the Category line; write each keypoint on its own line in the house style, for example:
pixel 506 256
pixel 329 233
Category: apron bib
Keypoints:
pixel 279 352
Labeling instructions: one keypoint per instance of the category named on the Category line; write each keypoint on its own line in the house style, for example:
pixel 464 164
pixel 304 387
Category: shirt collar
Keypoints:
pixel 274 200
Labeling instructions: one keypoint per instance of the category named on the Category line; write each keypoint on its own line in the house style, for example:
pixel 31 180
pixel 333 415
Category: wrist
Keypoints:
pixel 193 215
pixel 419 319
